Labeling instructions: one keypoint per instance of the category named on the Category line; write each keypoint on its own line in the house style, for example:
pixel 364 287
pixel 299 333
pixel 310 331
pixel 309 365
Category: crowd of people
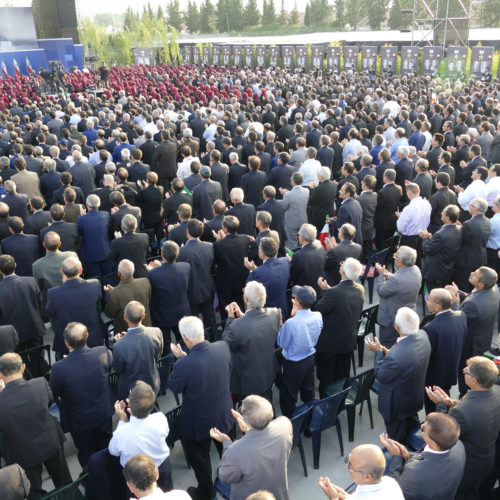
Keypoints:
pixel 183 201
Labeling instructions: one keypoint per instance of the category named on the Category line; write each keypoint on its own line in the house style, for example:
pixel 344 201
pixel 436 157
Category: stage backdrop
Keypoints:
pixel 17 29
pixel 317 56
pixel 351 58
pixel 481 60
pixel 333 58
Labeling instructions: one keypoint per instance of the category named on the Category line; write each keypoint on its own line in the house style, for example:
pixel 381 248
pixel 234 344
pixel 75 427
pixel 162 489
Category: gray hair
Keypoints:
pixel 191 327
pixel 257 412
pixel 4 161
pixel 54 151
pixel 125 153
pixel 233 156
pixel 407 320
pixel 308 232
pixel 9 186
pixel 50 165
pixel 77 155
pixel 407 255
pixel 187 132
pixel 480 205
pixel 255 293
pixel 237 194
pixel 404 151
pixel 129 223
pixel 93 201
pixel 110 167
pixel 352 269
pixel 126 268
pixel 325 173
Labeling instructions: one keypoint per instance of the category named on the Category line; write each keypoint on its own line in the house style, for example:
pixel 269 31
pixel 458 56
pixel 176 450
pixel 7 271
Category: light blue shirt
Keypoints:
pixel 351 148
pixel 299 335
pixel 494 241
pixel 394 148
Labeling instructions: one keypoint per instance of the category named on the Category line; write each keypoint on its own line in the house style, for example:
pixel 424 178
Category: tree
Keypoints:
pixel 174 14
pixel 130 20
pixel 192 17
pixel 340 14
pixel 222 16
pixel 378 12
pixel 235 14
pixel 283 17
pixel 207 17
pixel 293 18
pixel 159 13
pixel 269 13
pixel 251 14
pixel 490 14
pixel 307 16
pixel 396 19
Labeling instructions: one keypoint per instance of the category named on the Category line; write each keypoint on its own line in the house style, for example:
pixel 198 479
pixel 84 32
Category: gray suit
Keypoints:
pixel 399 290
pixel 27 183
pixel 295 206
pixel 368 202
pixel 298 157
pixel 258 461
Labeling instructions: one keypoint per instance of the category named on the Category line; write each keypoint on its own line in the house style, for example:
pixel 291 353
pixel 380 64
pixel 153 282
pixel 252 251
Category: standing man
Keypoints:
pixel 203 378
pixel 388 199
pixel 295 205
pixel 165 160
pixel 400 373
pixel 322 198
pixel 368 201
pixel 349 211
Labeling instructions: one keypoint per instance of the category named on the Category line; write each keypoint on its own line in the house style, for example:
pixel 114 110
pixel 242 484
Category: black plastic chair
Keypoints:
pixel 37 361
pixel 369 316
pixel 325 414
pixel 73 491
pixel 392 244
pixel 426 319
pixel 370 273
pixel 173 419
pixel 214 333
pixel 165 366
pixel 113 379
pixel 299 423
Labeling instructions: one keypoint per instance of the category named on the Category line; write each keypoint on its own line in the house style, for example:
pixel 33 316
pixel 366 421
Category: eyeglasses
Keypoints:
pixel 467 372
pixel 350 468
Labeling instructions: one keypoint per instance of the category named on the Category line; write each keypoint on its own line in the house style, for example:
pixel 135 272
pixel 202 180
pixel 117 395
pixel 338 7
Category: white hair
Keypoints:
pixel 255 293
pixel 324 173
pixel 77 155
pixel 404 151
pixel 126 268
pixel 191 328
pixel 308 232
pixel 352 269
pixel 237 194
pixel 407 320
pixel 125 153
pixel 407 255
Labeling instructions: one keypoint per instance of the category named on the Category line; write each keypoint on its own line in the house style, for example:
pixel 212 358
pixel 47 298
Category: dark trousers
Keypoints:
pixel 198 457
pixel 97 269
pixel 297 376
pixel 92 440
pixel 166 330
pixel 228 296
pixel 400 429
pixel 57 468
pixel 206 309
pixel 331 366
pixel 382 234
pixel 415 242
pixel 387 335
pixel 462 278
pixel 493 260
pixel 367 247
pixel 429 405
pixel 434 284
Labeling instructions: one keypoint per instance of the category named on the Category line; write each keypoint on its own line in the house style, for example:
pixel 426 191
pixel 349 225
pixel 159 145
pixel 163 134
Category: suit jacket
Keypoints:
pixel 258 461
pixel 76 300
pixel 252 184
pixel 337 255
pixel 368 202
pixel 32 434
pixel 321 202
pixel 251 340
pixel 116 218
pixel 404 172
pixel 134 247
pixel 204 194
pixel 350 211
pixel 18 205
pixel 475 235
pixel 214 224
pixel 337 157
pixel 27 183
pixel 388 199
pixel 148 149
pixel 307 265
pixel 37 222
pixel 400 290
pixel 14 483
pixel 401 376
pixel 325 156
pixel 179 233
pixel 80 381
pixel 49 183
pixel 265 162
pixel 441 253
pixel 424 181
pixel 25 248
pixel 432 157
pixel 68 232
pixel 220 174
pixel 93 227
pixel 203 378
pixel 277 211
pixel 149 201
pixel 478 415
pixel 341 308
pixel 165 160
pixel 245 213
pixel 83 176
pixel 200 256
pixel 429 476
pixel 135 356
pixel 171 204
pixel 229 254
pixel 137 171
pixel 9 339
pixel 236 172
pixel 280 177
pixel 169 293
pixel 439 200
pixel 295 206
pixel 477 161
pixel 192 181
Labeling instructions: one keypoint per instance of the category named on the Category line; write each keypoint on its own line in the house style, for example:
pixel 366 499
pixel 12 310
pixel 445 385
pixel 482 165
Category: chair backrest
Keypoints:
pixel 370 316
pixel 362 383
pixel 37 360
pixel 173 419
pixel 113 378
pixel 331 406
pixel 376 258
pixel 214 333
pixel 299 423
pixel 164 366
pixel 73 491
pixel 426 319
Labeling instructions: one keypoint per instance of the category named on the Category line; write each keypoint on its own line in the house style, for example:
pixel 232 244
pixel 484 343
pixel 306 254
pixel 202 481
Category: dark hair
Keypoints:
pixel 141 399
pixel 170 251
pixel 140 470
pixel 16 224
pixel 57 212
pixel 10 363
pixel 442 429
pixel 231 223
pixel 269 247
pixel 195 228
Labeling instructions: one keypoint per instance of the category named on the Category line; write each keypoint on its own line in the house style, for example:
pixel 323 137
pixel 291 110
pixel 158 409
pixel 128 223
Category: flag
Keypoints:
pixel 4 68
pixel 186 190
pixel 16 67
pixel 28 66
pixel 325 233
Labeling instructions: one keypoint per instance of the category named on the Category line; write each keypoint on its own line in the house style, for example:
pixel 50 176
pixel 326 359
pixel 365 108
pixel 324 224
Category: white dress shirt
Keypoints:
pixel 141 435
pixel 493 190
pixel 416 215
pixel 169 495
pixel 387 489
pixel 476 189
pixel 184 167
pixel 309 170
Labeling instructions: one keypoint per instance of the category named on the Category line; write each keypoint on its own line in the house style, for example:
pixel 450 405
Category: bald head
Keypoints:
pixel 439 300
pixel 75 335
pixel 51 241
pixel 370 461
pixel 71 267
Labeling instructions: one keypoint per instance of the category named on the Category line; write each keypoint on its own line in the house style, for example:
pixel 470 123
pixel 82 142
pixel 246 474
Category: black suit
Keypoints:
pixel 116 218
pixel 178 233
pixel 25 248
pixel 325 156
pixel 385 214
pixel 49 183
pixel 204 194
pixel 220 174
pixel 307 265
pixel 252 184
pixel 321 203
pixel 450 171
pixel 236 172
pixel 192 181
pixel 265 162
pixel 67 231
pixel 134 247
pixel 477 161
pixel 341 307
pixel 424 181
pixel 171 204
pixel 9 339
pixel 275 208
pixel 337 158
pixel 404 172
pixel 137 171
pixel 380 169
pixel 148 149
pixel 245 213
pixel 83 177
pixel 37 222
pixel 439 200
pixel 164 162
pixel 150 203
pixel 368 202
pixel 280 177
pixel 58 196
pixel 432 157
pixel 18 205
pixel 338 254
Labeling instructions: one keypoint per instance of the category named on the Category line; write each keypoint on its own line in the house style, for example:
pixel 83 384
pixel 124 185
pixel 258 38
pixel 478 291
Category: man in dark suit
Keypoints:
pixel 307 263
pixel 275 208
pixel 460 154
pixel 432 156
pixel 83 174
pixel 220 173
pixel 32 435
pixel 236 171
pixel 280 176
pixel 17 203
pixel 441 250
pixel 325 153
pixel 39 219
pixel 137 171
pixel 322 198
pixel 388 199
pixel 204 195
pixel 349 212
pixel 436 471
pixel 93 228
pixel 136 352
pixel 368 201
pixel 467 168
pixel 478 415
pixel 148 148
pixel 230 250
pixel 244 212
pixel 400 374
pixel 440 199
pixel 174 198
pixel 67 231
pixel 75 300
pixel 265 158
pixel 444 166
pixel 214 225
pixel 337 154
pixel 475 234
pixel 119 210
pixel 423 179
pixel 447 333
pixel 338 252
pixel 403 168
pixel 132 246
pixel 165 160
pixel 169 303
pixel 25 248
pixel 80 381
pixel 9 339
pixel 203 378
pixel 177 232
pixel 251 338
pixel 198 124
pixel 341 307
pixel 253 182
pixel 200 256
pixel 285 131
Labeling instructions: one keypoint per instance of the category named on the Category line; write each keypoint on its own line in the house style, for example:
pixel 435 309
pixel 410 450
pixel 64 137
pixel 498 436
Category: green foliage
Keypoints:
pixel 207 17
pixel 293 18
pixel 269 13
pixel 251 14
pixel 283 17
pixel 192 17
pixel 174 14
pixel 318 13
pixel 377 10
pixel 340 18
pixel 398 20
